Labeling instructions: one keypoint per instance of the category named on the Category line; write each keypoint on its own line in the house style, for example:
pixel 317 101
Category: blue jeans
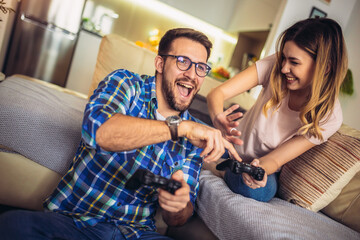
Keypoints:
pixel 23 224
pixel 264 194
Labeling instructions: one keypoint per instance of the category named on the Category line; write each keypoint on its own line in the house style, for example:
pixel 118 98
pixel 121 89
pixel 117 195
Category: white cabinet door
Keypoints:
pixel 83 62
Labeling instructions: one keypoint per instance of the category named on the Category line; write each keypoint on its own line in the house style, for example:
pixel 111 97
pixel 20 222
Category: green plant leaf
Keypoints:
pixel 347 87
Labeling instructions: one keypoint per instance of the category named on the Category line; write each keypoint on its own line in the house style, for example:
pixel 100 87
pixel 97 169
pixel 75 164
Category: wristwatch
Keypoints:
pixel 173 123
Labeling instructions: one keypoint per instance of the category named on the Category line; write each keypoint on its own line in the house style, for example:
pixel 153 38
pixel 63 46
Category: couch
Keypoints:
pixel 40 125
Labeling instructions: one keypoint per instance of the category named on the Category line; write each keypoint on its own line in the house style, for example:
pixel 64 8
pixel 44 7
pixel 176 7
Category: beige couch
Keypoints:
pixel 35 154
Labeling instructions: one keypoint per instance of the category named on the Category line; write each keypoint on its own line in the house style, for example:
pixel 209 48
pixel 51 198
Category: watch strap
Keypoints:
pixel 174 132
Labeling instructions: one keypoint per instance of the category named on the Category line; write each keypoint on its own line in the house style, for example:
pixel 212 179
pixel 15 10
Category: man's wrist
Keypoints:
pixel 182 128
pixel 173 123
pixel 178 218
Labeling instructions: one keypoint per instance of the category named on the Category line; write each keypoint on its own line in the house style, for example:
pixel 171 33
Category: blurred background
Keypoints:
pixel 52 39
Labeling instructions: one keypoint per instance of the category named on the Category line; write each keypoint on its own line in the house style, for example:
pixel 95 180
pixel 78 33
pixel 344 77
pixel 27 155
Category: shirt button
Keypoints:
pixel 118 204
pixel 176 163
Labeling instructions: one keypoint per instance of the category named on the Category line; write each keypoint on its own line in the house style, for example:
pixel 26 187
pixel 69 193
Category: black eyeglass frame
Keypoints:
pixel 208 68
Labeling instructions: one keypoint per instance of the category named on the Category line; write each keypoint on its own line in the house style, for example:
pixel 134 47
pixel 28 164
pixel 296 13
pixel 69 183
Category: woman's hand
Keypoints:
pixel 226 123
pixel 252 183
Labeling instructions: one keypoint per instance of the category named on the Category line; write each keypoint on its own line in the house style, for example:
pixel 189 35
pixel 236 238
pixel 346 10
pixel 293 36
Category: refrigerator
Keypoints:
pixel 44 39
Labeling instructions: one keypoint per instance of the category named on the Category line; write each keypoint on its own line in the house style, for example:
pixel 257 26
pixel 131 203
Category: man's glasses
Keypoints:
pixel 184 64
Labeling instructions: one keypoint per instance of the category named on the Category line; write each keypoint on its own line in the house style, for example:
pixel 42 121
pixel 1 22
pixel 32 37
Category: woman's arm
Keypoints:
pixel 286 152
pixel 272 161
pixel 238 84
pixel 224 121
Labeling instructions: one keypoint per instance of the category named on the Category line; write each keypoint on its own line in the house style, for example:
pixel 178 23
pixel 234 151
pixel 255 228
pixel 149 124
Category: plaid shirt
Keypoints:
pixel 93 190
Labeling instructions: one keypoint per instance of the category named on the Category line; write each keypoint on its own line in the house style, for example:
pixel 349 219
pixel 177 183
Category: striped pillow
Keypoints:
pixel 316 178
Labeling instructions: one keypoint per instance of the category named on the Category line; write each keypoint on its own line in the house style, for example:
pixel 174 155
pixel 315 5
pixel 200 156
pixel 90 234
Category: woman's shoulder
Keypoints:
pixel 264 67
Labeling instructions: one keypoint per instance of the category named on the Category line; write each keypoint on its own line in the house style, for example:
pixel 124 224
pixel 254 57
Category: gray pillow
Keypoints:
pixel 232 216
pixel 39 122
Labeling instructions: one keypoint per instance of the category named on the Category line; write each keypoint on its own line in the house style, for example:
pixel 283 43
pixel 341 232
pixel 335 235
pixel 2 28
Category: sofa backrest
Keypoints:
pixel 116 52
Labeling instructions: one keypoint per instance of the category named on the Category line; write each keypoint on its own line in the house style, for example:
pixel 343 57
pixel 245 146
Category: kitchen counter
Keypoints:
pixel 96 34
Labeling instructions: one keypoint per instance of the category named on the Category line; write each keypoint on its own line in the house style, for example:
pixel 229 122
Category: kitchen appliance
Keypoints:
pixel 44 39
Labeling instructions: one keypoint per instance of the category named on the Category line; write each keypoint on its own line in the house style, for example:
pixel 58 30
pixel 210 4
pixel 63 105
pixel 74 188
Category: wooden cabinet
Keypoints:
pixel 249 44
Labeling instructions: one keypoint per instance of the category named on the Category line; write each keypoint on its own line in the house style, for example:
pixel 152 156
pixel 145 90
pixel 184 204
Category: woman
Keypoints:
pixel 297 109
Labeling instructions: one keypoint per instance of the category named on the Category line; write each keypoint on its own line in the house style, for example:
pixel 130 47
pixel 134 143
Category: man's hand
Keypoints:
pixel 177 208
pixel 226 123
pixel 208 138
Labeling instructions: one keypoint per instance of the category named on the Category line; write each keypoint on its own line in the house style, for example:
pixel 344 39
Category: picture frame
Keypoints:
pixel 317 13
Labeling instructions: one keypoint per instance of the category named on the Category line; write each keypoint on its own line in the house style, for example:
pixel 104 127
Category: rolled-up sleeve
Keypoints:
pixel 113 95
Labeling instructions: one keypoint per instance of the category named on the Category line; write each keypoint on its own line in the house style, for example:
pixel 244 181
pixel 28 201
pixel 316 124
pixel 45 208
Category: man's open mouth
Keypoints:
pixel 185 89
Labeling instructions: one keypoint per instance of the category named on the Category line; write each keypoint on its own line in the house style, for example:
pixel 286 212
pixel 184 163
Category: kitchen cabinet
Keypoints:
pixel 249 45
pixel 231 15
pixel 83 62
pixel 215 12
pixel 250 15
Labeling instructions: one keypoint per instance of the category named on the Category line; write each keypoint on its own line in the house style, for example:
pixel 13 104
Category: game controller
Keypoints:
pixel 239 167
pixel 145 177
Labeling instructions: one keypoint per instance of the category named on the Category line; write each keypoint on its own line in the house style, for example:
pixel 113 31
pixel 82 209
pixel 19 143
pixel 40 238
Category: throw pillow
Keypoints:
pixel 346 207
pixel 316 178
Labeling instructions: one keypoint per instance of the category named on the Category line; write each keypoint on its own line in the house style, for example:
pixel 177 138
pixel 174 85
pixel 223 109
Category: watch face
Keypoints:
pixel 174 119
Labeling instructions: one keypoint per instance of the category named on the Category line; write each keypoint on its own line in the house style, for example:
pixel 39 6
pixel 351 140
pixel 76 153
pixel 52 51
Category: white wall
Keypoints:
pixel 341 11
pixel 295 10
pixel 351 104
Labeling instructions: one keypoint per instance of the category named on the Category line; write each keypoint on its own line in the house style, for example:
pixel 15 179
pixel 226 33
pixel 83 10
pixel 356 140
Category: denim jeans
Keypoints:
pixel 23 224
pixel 264 194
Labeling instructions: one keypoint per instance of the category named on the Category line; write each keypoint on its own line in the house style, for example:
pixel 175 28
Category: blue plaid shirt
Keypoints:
pixel 92 191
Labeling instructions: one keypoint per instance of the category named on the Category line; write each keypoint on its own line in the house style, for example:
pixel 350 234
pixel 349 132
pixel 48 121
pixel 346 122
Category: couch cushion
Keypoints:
pixel 24 183
pixel 116 52
pixel 40 122
pixel 346 207
pixel 232 216
pixel 316 178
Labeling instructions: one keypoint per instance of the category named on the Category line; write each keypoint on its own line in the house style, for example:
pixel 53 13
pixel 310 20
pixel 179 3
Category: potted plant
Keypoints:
pixel 5 9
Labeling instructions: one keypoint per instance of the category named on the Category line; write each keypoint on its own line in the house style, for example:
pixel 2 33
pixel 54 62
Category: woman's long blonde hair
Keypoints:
pixel 323 40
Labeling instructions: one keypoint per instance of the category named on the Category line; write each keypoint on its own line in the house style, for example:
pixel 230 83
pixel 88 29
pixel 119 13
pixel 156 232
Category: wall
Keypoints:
pixel 350 104
pixel 341 11
pixel 294 10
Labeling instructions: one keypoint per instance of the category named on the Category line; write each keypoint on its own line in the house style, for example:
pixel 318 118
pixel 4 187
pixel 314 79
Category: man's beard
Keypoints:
pixel 170 97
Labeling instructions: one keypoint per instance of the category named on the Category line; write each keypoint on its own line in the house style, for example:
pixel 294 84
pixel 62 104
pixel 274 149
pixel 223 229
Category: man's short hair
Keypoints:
pixel 171 35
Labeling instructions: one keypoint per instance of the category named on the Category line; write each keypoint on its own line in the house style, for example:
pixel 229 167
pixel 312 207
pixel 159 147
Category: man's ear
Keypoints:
pixel 159 64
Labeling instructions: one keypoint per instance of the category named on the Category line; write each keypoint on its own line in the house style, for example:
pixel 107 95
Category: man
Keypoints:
pixel 132 122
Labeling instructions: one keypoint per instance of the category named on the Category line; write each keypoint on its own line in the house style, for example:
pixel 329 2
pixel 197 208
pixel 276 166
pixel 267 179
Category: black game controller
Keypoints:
pixel 145 177
pixel 239 167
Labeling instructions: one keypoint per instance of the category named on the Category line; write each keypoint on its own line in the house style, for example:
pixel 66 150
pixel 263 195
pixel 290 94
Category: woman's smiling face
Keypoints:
pixel 297 67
